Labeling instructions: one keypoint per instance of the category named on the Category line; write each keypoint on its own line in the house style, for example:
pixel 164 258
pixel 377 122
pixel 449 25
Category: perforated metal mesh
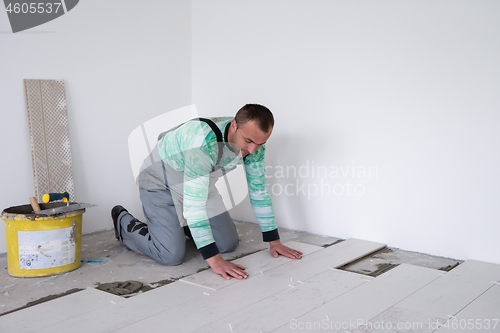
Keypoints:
pixel 49 137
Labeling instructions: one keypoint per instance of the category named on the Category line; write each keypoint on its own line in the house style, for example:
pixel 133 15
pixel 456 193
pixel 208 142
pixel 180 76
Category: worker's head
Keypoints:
pixel 250 128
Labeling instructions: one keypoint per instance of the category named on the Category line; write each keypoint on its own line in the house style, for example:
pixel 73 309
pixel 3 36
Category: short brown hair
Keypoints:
pixel 259 113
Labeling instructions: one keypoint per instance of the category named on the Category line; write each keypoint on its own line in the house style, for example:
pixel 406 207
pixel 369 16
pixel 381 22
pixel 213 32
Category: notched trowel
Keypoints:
pixel 64 196
pixel 68 208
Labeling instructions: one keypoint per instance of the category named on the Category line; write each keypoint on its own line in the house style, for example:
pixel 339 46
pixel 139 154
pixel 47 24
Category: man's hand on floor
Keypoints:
pixel 226 268
pixel 277 248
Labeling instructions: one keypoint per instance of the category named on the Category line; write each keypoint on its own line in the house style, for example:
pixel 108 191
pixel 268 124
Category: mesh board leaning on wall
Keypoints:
pixel 49 137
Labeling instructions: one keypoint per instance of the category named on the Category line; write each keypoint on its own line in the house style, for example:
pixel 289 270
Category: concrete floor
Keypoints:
pixel 121 264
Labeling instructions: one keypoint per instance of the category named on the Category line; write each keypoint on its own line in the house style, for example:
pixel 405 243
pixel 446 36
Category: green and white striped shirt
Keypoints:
pixel 193 149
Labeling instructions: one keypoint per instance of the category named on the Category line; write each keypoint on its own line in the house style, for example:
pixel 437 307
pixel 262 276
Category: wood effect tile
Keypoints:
pixel 345 313
pixel 443 297
pixel 49 313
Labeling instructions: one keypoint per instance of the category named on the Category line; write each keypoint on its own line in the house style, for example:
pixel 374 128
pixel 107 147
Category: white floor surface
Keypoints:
pixel 285 295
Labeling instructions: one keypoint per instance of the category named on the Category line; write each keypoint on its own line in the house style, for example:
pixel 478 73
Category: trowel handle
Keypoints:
pixel 34 204
pixel 48 197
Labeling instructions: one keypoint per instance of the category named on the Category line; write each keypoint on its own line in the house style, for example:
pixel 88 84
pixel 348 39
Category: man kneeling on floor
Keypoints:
pixel 179 197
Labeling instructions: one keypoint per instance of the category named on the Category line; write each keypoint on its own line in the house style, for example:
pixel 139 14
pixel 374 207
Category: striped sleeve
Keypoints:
pixel 196 183
pixel 259 194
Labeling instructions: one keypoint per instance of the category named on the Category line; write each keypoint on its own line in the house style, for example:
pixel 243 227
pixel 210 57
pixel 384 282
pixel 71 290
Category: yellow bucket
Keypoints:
pixel 40 245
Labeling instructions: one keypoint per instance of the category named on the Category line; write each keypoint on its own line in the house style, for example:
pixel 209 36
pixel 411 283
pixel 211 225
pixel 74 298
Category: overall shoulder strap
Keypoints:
pixel 218 135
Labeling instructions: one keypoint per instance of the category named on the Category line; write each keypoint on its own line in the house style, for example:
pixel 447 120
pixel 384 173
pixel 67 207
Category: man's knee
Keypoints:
pixel 170 258
pixel 229 245
pixel 172 255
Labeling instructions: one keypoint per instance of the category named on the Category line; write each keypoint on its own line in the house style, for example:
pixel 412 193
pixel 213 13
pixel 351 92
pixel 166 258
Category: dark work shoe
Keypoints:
pixel 114 215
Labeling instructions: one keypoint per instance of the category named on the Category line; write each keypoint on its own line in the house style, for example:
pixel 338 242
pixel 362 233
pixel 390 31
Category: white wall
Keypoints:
pixel 408 87
pixel 123 62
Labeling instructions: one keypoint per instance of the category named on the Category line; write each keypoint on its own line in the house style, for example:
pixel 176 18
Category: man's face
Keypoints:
pixel 247 137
